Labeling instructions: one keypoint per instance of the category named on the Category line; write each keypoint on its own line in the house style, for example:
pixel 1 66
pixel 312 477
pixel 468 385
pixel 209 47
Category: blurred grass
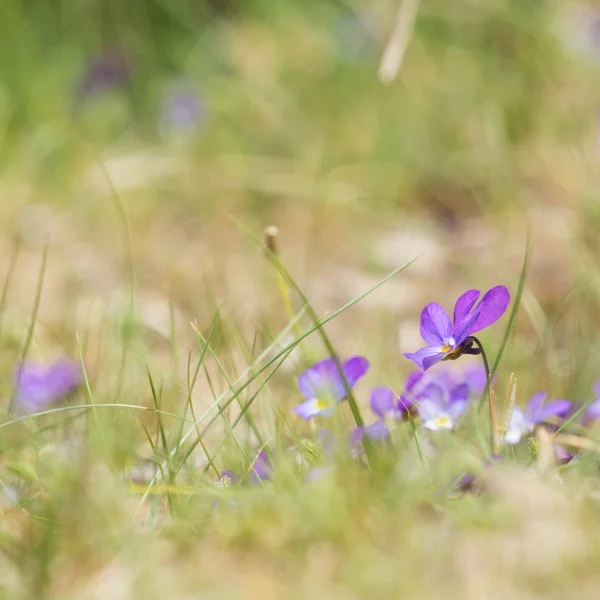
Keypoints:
pixel 490 128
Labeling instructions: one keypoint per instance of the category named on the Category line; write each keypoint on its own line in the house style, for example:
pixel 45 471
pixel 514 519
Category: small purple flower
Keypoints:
pixel 447 340
pixel 182 110
pixel 38 386
pixel 535 413
pixel 440 407
pixel 228 478
pixel 324 388
pixel 260 469
pixel 108 70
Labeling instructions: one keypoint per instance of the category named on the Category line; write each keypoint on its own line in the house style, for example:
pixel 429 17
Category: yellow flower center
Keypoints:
pixel 442 421
pixel 321 404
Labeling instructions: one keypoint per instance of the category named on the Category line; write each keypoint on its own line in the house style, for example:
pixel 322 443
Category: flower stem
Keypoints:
pixel 492 399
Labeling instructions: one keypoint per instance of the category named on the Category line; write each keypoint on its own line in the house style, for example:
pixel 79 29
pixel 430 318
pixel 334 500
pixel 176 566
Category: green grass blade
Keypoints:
pixel 512 318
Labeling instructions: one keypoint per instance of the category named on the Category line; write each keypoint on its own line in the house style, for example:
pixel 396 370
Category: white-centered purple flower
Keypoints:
pixel 448 339
pixel 39 386
pixel 323 386
pixel 523 422
pixel 441 407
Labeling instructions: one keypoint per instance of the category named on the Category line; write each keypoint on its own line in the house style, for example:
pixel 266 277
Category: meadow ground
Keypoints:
pixel 144 151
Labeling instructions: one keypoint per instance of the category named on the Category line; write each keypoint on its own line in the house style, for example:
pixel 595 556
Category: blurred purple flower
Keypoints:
pixel 385 404
pixel 183 110
pixel 376 431
pixel 535 413
pixel 110 69
pixel 476 379
pixel 260 468
pixel 441 406
pixel 592 412
pixel 324 388
pixel 39 386
pixel 228 478
pixel 449 340
pixel 562 455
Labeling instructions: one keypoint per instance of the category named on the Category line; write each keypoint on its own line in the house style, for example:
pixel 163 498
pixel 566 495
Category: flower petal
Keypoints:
pixel 493 306
pixel 419 356
pixel 456 409
pixel 518 426
pixel 556 408
pixel 534 405
pixel 436 327
pixel 378 430
pixel 428 410
pixel 593 410
pixel 459 393
pixel 413 379
pixel 382 401
pixel 464 328
pixel 261 468
pixel 476 380
pixel 315 379
pixel 356 436
pixel 323 380
pixel 311 408
pixel 464 305
pixel 354 368
pixel 438 395
pixel 38 386
pixel 434 360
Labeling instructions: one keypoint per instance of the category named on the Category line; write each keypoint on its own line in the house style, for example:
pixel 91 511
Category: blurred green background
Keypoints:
pixel 135 135
pixel 173 117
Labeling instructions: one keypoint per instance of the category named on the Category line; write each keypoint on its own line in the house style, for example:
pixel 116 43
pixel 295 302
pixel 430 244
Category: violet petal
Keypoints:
pixel 493 306
pixel 382 401
pixel 436 327
pixel 464 305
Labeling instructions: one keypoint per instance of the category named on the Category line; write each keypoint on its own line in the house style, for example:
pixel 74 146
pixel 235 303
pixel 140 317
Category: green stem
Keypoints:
pixel 491 398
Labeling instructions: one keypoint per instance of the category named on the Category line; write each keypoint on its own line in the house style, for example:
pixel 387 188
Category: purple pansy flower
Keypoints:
pixel 385 404
pixel 536 412
pixel 448 340
pixel 38 386
pixel 440 407
pixel 324 388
